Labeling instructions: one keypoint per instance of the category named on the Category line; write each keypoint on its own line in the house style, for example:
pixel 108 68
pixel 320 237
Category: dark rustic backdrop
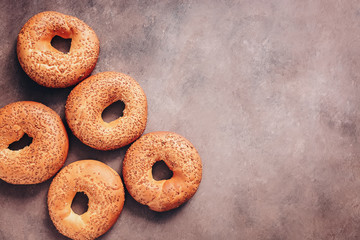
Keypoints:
pixel 267 91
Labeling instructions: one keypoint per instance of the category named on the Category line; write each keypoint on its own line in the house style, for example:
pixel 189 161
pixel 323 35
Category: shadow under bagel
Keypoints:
pixel 22 191
pixel 137 209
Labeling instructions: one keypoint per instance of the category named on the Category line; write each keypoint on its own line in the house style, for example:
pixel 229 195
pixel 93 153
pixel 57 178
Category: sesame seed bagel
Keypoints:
pixel 46 65
pixel 104 189
pixel 179 155
pixel 49 147
pixel 87 101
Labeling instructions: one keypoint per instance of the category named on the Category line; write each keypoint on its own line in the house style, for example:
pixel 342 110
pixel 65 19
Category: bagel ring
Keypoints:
pixel 181 158
pixel 46 65
pixel 104 189
pixel 44 156
pixel 87 101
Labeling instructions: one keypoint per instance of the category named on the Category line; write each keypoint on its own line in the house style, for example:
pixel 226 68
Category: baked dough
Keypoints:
pixel 105 191
pixel 44 156
pixel 46 65
pixel 181 158
pixel 88 100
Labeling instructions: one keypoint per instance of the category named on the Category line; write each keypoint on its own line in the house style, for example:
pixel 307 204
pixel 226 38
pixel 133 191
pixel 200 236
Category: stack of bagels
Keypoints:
pixel 47 153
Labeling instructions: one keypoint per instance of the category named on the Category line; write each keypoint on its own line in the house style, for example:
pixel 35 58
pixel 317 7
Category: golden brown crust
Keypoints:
pixel 45 64
pixel 179 155
pixel 44 156
pixel 105 191
pixel 88 100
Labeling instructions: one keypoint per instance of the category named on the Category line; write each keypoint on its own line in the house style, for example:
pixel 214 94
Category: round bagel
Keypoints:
pixel 105 192
pixel 87 101
pixel 179 155
pixel 44 156
pixel 46 65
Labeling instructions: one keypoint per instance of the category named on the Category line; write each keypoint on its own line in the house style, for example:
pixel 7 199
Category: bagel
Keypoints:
pixel 46 65
pixel 104 189
pixel 87 101
pixel 181 158
pixel 44 156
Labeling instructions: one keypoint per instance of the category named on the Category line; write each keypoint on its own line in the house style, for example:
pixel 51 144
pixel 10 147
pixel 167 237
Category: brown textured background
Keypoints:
pixel 267 91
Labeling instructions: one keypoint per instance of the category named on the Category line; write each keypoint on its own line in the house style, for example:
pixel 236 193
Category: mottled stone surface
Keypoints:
pixel 267 91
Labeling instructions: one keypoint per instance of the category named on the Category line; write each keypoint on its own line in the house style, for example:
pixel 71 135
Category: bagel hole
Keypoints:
pixel 22 143
pixel 161 171
pixel 80 203
pixel 113 111
pixel 61 44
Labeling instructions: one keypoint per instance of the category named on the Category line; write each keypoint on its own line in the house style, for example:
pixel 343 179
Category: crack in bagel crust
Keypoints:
pixel 179 155
pixel 87 101
pixel 104 189
pixel 46 65
pixel 44 156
